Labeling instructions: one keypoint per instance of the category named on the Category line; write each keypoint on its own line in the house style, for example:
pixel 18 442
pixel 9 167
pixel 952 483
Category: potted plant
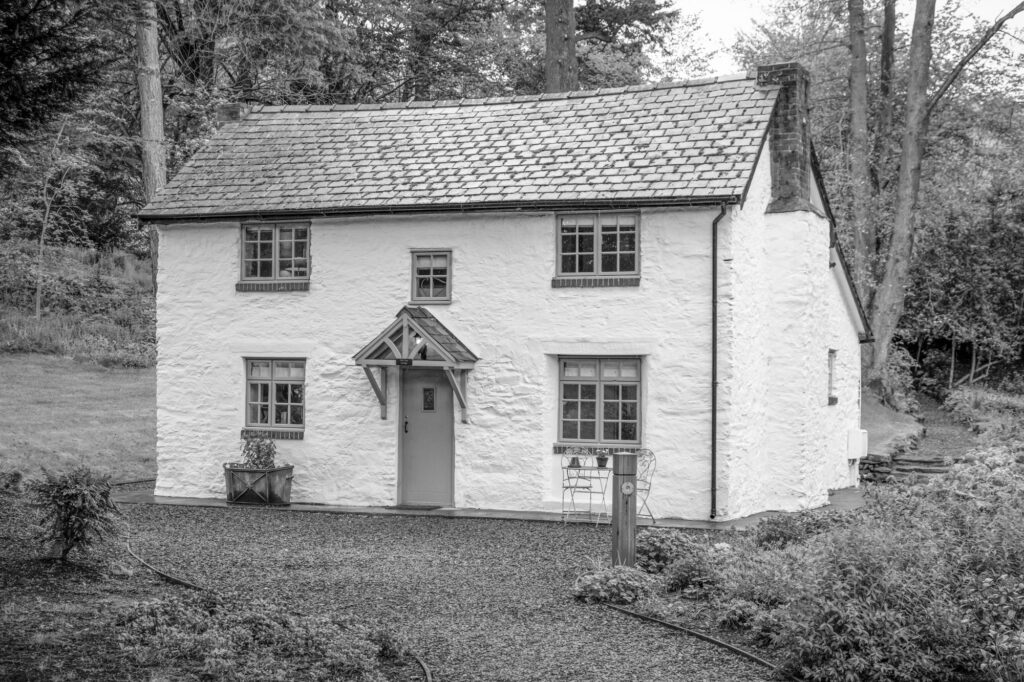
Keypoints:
pixel 602 457
pixel 256 479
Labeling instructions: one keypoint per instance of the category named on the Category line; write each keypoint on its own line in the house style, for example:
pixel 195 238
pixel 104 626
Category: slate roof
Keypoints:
pixel 673 143
pixel 439 333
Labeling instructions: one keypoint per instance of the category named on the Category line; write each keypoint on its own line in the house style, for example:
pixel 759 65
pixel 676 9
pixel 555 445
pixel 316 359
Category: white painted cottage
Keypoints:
pixel 425 303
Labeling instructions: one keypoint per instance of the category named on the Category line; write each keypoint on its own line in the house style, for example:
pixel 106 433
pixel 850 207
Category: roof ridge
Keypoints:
pixel 511 99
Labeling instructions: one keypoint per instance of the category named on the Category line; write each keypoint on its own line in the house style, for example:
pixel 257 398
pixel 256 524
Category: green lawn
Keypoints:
pixel 57 413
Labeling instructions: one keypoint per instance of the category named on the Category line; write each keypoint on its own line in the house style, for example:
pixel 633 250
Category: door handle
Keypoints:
pixel 407 425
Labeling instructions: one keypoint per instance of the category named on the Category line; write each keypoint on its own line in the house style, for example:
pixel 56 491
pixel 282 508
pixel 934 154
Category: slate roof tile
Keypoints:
pixel 670 141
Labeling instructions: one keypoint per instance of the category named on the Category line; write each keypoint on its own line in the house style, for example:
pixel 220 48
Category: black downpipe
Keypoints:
pixel 714 362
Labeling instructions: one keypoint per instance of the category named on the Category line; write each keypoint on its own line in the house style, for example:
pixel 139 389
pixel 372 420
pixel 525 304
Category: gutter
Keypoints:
pixel 469 207
pixel 714 361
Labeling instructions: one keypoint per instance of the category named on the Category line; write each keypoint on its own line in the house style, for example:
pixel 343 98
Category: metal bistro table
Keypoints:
pixel 584 486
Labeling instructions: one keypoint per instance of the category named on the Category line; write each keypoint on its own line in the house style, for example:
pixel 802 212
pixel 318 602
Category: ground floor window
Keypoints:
pixel 600 400
pixel 275 393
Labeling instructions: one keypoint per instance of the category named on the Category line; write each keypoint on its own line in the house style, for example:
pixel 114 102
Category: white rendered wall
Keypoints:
pixel 504 308
pixel 786 447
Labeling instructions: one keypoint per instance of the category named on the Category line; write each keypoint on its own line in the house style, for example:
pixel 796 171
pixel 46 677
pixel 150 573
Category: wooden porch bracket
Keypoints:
pixel 380 389
pixel 459 389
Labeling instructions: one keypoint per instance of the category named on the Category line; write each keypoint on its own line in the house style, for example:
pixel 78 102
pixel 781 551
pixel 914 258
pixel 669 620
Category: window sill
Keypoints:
pixel 272 434
pixel 591 282
pixel 833 400
pixel 560 448
pixel 431 301
pixel 272 286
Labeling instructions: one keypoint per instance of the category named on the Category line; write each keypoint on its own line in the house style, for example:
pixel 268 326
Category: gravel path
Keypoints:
pixel 480 600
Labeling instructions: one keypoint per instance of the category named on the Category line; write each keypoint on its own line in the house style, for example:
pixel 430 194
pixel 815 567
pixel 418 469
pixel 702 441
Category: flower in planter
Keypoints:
pixel 258 452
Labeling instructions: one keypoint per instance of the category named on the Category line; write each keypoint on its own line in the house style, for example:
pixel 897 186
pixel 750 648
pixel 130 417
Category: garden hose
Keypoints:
pixel 699 635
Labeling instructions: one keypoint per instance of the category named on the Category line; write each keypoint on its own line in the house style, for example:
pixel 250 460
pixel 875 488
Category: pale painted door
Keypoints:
pixel 427 460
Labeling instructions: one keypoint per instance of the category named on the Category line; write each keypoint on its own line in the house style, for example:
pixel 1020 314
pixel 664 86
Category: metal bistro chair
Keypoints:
pixel 578 483
pixel 645 465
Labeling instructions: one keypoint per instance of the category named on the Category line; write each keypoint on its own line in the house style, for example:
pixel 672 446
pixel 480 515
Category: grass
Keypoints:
pixel 58 413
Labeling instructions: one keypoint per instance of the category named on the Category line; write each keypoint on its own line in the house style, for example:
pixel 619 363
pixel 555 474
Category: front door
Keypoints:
pixel 426 467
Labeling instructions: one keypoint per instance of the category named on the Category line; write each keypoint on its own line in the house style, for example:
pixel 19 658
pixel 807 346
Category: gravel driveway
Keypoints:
pixel 476 599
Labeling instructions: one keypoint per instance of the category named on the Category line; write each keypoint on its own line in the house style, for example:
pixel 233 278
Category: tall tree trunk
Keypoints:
pixel 891 292
pixel 860 175
pixel 151 106
pixel 885 75
pixel 561 73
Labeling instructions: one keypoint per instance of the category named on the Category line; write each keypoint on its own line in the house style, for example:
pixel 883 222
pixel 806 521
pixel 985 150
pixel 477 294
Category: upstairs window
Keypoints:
pixel 275 394
pixel 598 244
pixel 600 400
pixel 275 252
pixel 431 276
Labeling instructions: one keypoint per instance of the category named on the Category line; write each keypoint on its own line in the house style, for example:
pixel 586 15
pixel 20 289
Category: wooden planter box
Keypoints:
pixel 258 486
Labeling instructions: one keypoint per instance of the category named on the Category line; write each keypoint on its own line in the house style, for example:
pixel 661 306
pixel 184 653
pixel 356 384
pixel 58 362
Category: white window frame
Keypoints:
pixel 598 220
pixel 414 296
pixel 276 255
pixel 271 401
pixel 600 383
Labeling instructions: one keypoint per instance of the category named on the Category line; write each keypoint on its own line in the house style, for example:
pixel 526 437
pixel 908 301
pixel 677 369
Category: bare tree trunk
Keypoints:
pixel 860 176
pixel 48 199
pixel 890 294
pixel 154 163
pixel 883 150
pixel 561 73
pixel 952 364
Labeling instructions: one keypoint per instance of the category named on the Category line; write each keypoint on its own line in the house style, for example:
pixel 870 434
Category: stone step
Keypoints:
pixel 908 469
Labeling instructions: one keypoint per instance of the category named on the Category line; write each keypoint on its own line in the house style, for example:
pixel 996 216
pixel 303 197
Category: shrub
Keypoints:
pixel 77 509
pixel 697 566
pixel 898 380
pixel 241 638
pixel 656 548
pixel 772 578
pixel 996 414
pixel 615 584
pixel 257 452
pixel 785 529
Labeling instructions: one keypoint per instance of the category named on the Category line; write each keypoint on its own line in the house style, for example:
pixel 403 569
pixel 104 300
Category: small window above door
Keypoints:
pixel 431 276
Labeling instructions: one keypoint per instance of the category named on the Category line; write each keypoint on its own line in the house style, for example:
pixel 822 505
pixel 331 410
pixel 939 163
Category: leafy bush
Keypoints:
pixel 785 529
pixel 615 584
pixel 77 509
pixel 996 414
pixel 656 548
pixel 257 452
pixel 697 566
pixel 241 638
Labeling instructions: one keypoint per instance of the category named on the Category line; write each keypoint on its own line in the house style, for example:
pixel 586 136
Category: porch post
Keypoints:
pixel 624 509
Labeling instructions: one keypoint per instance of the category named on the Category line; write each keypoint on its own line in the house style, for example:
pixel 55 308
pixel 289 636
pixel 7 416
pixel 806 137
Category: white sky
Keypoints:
pixel 722 19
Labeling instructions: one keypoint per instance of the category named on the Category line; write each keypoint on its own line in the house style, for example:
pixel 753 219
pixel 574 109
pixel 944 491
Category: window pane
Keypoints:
pixel 586 242
pixel 609 242
pixel 629 369
pixel 627 242
pixel 265 269
pixel 285 234
pixel 587 430
pixel 629 411
pixel 629 431
pixel 611 392
pixel 570 410
pixel 301 233
pixel 285 250
pixel 571 390
pixel 588 410
pixel 609 263
pixel 300 249
pixel 250 250
pixel 570 430
pixel 280 394
pixel 586 263
pixel 611 431
pixel 629 392
pixel 423 287
pixel 259 369
pixel 296 414
pixel 611 410
pixel 295 394
pixel 255 393
pixel 266 250
pixel 568 264
pixel 627 262
pixel 251 268
pixel 588 368
pixel 258 414
pixel 281 414
pixel 440 287
pixel 588 391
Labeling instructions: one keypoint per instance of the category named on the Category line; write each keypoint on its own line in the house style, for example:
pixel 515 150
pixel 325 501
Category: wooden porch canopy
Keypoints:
pixel 416 339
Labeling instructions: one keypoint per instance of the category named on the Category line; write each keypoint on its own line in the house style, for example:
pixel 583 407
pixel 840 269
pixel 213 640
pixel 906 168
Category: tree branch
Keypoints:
pixel 955 73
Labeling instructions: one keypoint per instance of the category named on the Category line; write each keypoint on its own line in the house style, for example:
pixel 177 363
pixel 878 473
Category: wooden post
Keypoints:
pixel 624 509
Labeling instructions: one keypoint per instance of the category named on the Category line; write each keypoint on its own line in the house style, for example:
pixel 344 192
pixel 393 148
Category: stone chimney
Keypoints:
pixel 789 137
